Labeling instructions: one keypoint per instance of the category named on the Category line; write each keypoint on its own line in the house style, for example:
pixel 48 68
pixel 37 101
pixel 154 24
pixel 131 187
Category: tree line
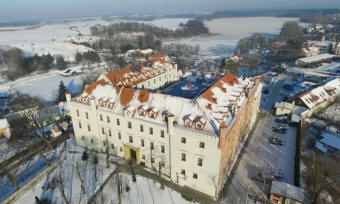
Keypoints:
pixel 188 29
pixel 19 65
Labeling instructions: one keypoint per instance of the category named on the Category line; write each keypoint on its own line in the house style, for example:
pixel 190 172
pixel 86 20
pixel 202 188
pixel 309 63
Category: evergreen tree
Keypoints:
pixel 78 57
pixel 60 64
pixel 62 91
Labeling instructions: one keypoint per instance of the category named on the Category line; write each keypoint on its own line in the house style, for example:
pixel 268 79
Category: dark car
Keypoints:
pixel 275 141
pixel 279 129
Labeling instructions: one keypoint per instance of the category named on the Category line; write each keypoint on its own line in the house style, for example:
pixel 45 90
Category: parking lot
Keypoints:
pixel 263 159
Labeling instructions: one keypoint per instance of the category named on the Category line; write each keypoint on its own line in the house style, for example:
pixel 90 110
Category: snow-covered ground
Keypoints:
pixel 231 30
pixel 44 85
pixel 48 38
pixel 93 175
pixel 143 191
pixel 324 70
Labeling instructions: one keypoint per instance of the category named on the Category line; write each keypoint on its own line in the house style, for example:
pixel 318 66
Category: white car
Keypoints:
pixel 69 72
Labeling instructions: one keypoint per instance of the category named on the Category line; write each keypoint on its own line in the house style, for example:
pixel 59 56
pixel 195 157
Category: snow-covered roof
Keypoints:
pixel 320 147
pixel 284 105
pixel 320 94
pixel 288 191
pixel 332 140
pixel 317 58
pixel 216 106
pixel 133 75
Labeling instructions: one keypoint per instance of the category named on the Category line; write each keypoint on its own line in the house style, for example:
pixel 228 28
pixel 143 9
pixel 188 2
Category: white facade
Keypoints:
pixel 178 137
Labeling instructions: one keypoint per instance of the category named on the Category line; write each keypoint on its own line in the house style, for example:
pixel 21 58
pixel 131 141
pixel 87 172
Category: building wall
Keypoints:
pixel 230 138
pixel 207 174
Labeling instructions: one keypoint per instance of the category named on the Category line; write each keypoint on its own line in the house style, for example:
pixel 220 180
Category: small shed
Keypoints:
pixel 283 108
pixel 282 193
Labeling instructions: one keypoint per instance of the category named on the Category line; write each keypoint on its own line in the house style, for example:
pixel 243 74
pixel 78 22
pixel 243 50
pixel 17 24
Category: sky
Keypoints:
pixel 24 10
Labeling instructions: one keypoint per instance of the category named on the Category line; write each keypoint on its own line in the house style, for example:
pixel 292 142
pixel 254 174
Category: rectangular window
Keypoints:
pixel 194 175
pixel 104 143
pixel 79 125
pixel 92 141
pixel 142 142
pixel 112 146
pixel 141 128
pixel 78 113
pixel 89 128
pixel 101 117
pixel 152 160
pixel 107 119
pixel 202 145
pixel 82 137
pixel 183 140
pixel 121 149
pixel 183 172
pixel 162 133
pixel 129 125
pixel 118 122
pixel 200 162
pixel 143 156
pixel 151 131
pixel 119 136
pixel 87 115
pixel 103 132
pixel 162 149
pixel 130 139
pixel 110 134
pixel 151 145
pixel 183 156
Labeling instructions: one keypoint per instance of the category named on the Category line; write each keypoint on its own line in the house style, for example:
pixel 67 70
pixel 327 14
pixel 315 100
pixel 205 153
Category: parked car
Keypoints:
pixel 275 141
pixel 281 119
pixel 69 72
pixel 279 129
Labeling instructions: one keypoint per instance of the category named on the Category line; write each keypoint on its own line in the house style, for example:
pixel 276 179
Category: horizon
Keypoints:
pixel 40 10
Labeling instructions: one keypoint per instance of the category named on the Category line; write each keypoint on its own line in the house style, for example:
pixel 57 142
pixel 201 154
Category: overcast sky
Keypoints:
pixel 17 10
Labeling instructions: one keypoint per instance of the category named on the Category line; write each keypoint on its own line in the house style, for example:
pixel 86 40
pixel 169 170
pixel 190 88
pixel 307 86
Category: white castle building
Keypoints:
pixel 193 142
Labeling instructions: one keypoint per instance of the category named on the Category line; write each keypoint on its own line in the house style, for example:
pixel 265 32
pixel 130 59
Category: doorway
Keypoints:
pixel 133 155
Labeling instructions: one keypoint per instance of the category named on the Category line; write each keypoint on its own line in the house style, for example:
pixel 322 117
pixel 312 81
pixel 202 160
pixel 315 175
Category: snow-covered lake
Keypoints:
pixel 231 30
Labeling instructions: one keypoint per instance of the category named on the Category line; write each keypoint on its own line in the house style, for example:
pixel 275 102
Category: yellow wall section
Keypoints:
pixel 127 154
pixel 2 131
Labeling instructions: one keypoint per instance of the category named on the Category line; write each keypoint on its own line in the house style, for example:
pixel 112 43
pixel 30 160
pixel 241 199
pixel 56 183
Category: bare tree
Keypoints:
pixel 322 176
pixel 37 116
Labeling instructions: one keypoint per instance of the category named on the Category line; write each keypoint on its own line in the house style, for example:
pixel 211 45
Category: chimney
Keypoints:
pixel 170 123
pixel 92 103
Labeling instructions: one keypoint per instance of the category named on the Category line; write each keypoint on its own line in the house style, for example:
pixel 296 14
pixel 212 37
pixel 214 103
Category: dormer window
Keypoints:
pixel 199 126
pixel 187 123
pixel 141 112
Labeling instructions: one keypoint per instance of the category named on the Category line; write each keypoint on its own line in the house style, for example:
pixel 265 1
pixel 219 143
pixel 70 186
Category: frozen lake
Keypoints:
pixel 231 30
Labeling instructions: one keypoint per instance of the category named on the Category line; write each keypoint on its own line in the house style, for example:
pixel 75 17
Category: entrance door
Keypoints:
pixel 133 155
